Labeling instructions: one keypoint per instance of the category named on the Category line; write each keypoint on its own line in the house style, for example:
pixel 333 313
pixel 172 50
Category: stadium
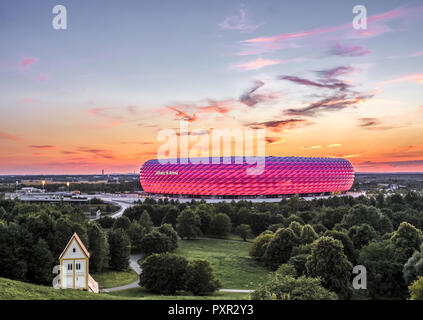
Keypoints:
pixel 282 176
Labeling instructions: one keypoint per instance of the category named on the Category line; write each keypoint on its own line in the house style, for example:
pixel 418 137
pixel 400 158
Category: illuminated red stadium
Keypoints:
pixel 281 176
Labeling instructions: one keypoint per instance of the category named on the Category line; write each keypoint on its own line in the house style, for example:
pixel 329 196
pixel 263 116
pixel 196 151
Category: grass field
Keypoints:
pixel 230 261
pixel 141 293
pixel 16 290
pixel 110 279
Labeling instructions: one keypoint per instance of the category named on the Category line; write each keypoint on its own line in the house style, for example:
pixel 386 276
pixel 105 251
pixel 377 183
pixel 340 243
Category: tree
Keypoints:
pixel 416 289
pixel 155 242
pixel 328 261
pixel 408 238
pixel 136 234
pixel 279 249
pixel 122 222
pixel 120 249
pixel 171 216
pixel 346 243
pixel 361 214
pixel 260 244
pixel 171 234
pixel 361 235
pixel 384 264
pixel 106 222
pixel 200 278
pixel 289 288
pixel 299 261
pixel 286 269
pixel 413 268
pixel 308 235
pixel 205 218
pixel 296 227
pixel 220 225
pixel 42 261
pixel 244 231
pixel 145 221
pixel 188 224
pixel 98 247
pixel 164 273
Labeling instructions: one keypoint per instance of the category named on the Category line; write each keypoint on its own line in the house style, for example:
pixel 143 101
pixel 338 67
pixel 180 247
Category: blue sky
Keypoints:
pixel 122 64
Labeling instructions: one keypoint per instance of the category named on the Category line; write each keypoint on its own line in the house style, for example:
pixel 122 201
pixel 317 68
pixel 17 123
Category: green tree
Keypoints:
pixel 120 249
pixel 136 234
pixel 145 221
pixel 106 222
pixel 407 237
pixel 164 273
pixel 171 234
pixel 122 222
pixel 98 247
pixel 244 231
pixel 384 264
pixel 188 224
pixel 328 261
pixel 296 227
pixel 416 289
pixel 346 243
pixel 171 216
pixel 200 278
pixel 286 269
pixel 361 235
pixel 260 244
pixel 42 261
pixel 279 249
pixel 413 268
pixel 299 261
pixel 361 214
pixel 220 225
pixel 155 242
pixel 308 235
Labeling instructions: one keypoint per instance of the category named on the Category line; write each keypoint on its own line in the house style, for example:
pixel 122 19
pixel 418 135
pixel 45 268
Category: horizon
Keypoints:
pixel 96 95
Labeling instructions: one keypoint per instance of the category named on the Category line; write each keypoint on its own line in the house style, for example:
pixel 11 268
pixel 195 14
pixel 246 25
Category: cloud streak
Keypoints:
pixel 239 22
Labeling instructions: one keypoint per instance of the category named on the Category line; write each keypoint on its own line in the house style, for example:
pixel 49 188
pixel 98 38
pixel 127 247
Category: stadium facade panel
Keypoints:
pixel 281 176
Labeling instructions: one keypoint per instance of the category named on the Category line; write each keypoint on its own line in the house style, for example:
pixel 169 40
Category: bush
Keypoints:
pixel 286 270
pixel 164 273
pixel 290 288
pixel 155 242
pixel 200 278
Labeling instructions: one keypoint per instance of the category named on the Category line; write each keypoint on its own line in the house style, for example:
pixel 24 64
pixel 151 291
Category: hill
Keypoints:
pixel 17 290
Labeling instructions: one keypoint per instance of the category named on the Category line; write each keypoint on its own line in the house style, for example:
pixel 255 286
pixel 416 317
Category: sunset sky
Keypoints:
pixel 95 96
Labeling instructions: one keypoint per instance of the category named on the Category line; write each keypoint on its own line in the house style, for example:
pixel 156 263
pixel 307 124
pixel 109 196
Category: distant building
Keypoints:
pixel 74 263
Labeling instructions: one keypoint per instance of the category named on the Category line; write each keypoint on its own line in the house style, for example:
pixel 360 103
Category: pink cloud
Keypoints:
pixel 351 51
pixel 257 64
pixel 417 78
pixel 376 25
pixel 239 23
pixel 41 78
pixel 28 61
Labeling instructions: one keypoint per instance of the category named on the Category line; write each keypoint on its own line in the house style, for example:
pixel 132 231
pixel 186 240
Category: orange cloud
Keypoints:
pixel 8 136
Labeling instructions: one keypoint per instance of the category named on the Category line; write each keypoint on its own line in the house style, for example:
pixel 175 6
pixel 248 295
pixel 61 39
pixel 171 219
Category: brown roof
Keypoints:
pixel 81 245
